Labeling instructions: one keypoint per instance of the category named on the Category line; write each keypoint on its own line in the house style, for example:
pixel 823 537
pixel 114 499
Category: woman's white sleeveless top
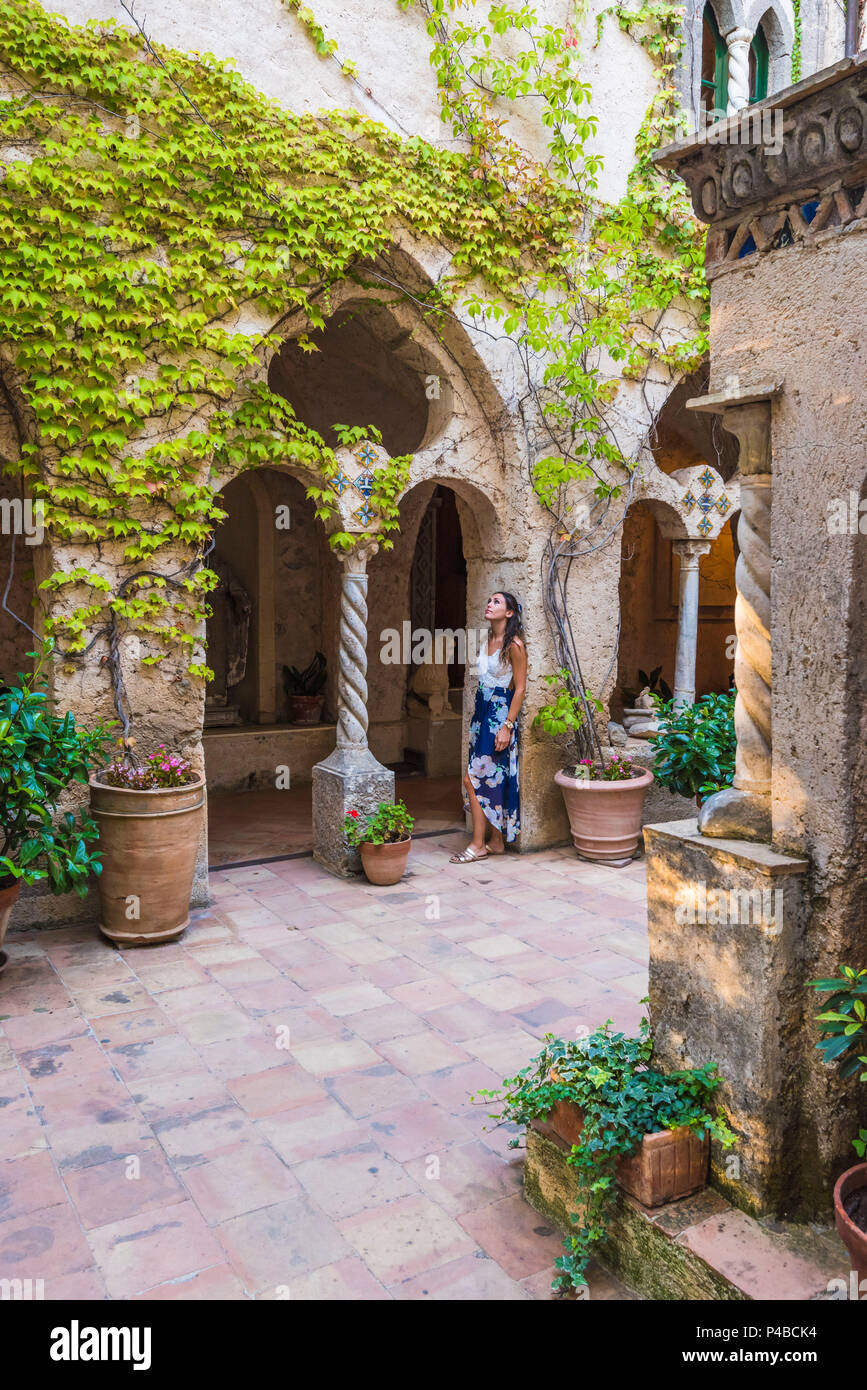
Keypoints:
pixel 494 670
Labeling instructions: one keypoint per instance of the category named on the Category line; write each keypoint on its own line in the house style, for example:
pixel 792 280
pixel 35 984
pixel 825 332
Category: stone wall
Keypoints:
pixel 787 260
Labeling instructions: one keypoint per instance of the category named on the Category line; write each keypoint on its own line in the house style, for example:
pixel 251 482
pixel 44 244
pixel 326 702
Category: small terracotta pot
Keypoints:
pixel 148 841
pixel 304 709
pixel 384 864
pixel 854 1239
pixel 604 817
pixel 668 1164
pixel 8 899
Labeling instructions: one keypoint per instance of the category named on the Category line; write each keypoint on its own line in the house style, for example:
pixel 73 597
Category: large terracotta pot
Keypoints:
pixel 384 864
pixel 148 842
pixel 852 1236
pixel 8 899
pixel 304 709
pixel 667 1165
pixel 604 817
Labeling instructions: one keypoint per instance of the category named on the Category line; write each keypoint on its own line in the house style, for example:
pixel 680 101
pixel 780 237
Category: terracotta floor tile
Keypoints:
pixel 35 1029
pixel 422 1053
pixel 28 1183
pixel 503 993
pixel 467 1177
pixel 269 1248
pixel 167 1054
pixel 381 1025
pixel 406 1131
pixel 146 1250
pixel 217 1284
pixel 43 1244
pixel 330 1056
pixel 514 1235
pixel 238 1180
pixel 473 1278
pixel 345 1281
pixel 351 999
pixel 188 1139
pixel 348 1183
pixel 404 1238
pixel 140 1181
pixel 312 1131
pixel 282 1088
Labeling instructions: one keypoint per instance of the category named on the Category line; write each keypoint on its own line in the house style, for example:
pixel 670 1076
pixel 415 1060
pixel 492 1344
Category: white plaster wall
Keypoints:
pixel 396 84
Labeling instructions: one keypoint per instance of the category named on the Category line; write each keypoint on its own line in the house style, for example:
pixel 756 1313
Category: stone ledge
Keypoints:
pixel 758 857
pixel 698 1249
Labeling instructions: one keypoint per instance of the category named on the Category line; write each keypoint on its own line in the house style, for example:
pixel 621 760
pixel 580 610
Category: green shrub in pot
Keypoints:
pixel 694 750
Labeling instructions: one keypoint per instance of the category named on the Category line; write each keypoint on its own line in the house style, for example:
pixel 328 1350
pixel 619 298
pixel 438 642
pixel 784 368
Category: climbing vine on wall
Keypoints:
pixel 163 226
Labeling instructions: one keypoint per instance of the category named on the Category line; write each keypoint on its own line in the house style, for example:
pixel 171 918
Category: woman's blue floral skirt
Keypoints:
pixel 494 775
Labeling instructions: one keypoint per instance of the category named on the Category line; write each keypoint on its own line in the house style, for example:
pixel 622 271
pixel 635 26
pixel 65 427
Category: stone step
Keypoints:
pixel 698 1248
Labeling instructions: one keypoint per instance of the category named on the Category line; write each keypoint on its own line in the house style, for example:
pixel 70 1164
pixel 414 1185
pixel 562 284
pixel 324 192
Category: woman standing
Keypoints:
pixel 491 779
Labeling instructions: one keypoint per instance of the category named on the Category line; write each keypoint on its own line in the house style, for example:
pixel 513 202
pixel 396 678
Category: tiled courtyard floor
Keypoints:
pixel 278 1104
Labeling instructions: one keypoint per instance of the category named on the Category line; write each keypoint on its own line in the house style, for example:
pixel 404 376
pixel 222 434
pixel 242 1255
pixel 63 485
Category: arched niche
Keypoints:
pixel 271 554
pixel 366 369
pixel 20 537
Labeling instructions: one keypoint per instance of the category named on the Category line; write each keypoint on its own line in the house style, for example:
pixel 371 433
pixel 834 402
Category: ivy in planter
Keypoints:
pixel 622 1098
pixel 390 823
pixel 41 755
pixel 694 750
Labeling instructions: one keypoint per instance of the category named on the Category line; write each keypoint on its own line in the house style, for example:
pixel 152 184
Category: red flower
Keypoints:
pixel 354 815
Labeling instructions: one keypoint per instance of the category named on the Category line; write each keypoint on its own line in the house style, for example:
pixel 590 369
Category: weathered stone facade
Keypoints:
pixel 475 436
pixel 787 260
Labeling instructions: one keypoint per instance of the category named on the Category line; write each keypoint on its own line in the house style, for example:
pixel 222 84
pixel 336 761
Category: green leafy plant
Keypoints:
pixel 309 681
pixel 390 822
pixel 844 1035
pixel 609 1077
pixel 159 770
pixel 651 681
pixel 41 755
pixel 694 750
pixel 566 712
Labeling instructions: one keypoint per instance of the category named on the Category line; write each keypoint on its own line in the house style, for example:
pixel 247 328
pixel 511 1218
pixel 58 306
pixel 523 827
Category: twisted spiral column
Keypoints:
pixel 753 630
pixel 743 810
pixel 738 42
pixel 352 677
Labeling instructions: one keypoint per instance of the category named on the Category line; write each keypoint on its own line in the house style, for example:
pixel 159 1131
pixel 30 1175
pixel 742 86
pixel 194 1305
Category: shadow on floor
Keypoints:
pixel 247 827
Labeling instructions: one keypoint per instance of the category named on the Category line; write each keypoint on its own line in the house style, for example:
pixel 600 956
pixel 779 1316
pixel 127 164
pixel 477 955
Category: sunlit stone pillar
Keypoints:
pixel 689 553
pixel 743 811
pixel 350 778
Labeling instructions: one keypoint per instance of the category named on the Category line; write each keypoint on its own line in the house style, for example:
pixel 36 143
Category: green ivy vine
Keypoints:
pixel 153 203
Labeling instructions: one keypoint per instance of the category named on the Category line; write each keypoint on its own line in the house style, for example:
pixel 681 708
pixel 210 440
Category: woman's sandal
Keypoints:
pixel 467 856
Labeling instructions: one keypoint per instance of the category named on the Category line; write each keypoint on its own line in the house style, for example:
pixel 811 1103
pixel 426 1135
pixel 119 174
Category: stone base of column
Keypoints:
pixel 349 780
pixel 726 920
pixel 731 814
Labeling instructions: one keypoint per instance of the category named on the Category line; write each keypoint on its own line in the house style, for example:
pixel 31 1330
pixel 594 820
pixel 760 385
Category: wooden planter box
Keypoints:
pixel 669 1164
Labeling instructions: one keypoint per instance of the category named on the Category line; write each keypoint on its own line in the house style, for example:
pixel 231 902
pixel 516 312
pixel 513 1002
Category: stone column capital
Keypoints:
pixel 690 552
pixel 751 426
pixel 355 561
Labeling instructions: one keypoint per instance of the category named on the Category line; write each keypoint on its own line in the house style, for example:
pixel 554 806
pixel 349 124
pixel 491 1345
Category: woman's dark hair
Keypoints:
pixel 514 627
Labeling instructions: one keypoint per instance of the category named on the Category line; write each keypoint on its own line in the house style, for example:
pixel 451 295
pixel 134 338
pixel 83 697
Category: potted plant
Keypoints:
pixel 844 1042
pixel 694 750
pixel 384 839
pixel 41 755
pixel 304 698
pixel 150 819
pixel 602 1100
pixel 604 800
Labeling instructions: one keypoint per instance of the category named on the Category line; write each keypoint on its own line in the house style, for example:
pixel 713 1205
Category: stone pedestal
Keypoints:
pixel 350 779
pixel 726 921
pixel 439 739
